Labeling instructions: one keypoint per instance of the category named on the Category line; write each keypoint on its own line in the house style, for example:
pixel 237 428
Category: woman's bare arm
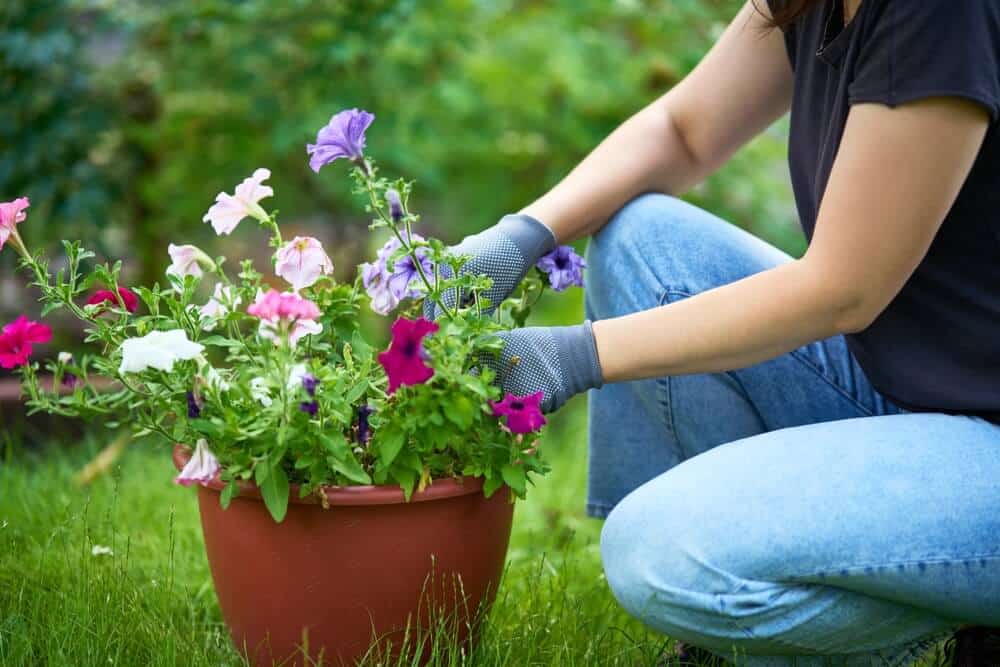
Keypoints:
pixel 741 86
pixel 895 177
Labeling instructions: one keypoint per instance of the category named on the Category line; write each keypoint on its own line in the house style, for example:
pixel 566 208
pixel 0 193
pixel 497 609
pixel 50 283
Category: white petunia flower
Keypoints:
pixel 201 467
pixel 223 301
pixel 159 349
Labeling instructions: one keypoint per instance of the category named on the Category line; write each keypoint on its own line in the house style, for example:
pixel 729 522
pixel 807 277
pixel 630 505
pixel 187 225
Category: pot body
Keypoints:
pixel 335 581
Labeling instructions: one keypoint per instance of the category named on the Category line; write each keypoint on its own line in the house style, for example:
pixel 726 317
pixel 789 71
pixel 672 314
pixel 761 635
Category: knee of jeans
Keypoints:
pixel 629 261
pixel 651 578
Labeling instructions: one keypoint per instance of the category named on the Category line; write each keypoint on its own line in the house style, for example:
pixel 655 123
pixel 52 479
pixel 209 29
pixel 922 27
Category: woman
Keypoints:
pixel 795 457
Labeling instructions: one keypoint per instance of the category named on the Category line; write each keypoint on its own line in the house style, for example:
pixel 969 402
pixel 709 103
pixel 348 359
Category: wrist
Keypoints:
pixel 531 236
pixel 581 366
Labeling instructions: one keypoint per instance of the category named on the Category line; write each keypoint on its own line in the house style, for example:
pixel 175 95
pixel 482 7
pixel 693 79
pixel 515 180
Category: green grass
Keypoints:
pixel 152 602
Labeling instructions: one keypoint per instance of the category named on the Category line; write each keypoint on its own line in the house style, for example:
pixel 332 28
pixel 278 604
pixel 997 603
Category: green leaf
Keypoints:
pixel 231 491
pixel 491 485
pixel 407 480
pixel 351 469
pixel 390 444
pixel 275 492
pixel 461 412
pixel 219 341
pixel 515 477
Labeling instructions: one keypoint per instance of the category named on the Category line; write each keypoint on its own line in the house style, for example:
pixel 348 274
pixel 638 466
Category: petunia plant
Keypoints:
pixel 268 375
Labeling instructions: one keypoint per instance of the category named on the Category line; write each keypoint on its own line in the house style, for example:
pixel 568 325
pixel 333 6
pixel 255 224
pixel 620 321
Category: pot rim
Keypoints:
pixel 368 494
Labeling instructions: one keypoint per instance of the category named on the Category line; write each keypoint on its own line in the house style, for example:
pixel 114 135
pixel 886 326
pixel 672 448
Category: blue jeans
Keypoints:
pixel 786 512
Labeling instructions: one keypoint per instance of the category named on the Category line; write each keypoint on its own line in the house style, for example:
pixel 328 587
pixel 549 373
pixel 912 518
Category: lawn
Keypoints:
pixel 152 602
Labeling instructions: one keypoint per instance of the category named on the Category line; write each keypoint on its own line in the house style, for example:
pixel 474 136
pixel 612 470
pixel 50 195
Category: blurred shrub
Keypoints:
pixel 484 103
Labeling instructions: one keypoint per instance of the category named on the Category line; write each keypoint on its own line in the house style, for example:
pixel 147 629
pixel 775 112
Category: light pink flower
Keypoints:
pixel 230 209
pixel 200 468
pixel 285 311
pixel 11 213
pixel 302 261
pixel 186 261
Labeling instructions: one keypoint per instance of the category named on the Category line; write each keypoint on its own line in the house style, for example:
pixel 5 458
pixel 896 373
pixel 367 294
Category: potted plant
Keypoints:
pixel 347 494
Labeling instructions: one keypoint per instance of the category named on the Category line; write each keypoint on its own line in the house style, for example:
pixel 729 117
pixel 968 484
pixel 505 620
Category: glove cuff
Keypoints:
pixel 531 237
pixel 581 368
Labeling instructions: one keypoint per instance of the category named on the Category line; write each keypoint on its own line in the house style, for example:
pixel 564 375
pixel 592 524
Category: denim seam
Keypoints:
pixel 807 362
pixel 993 555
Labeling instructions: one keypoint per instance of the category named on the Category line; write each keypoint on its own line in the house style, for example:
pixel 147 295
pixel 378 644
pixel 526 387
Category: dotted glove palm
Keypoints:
pixel 505 252
pixel 560 362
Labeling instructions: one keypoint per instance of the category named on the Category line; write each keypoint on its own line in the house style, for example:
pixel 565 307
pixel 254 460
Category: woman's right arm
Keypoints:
pixel 741 86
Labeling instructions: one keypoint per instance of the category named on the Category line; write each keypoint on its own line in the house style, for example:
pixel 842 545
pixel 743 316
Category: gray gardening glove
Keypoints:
pixel 505 252
pixel 560 362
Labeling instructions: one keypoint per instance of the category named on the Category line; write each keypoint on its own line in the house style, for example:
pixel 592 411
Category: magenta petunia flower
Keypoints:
pixel 17 340
pixel 564 266
pixel 11 213
pixel 230 209
pixel 523 413
pixel 342 137
pixel 404 361
pixel 128 297
pixel 200 468
pixel 302 261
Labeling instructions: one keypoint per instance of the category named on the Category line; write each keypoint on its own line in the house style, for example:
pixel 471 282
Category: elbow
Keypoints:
pixel 846 306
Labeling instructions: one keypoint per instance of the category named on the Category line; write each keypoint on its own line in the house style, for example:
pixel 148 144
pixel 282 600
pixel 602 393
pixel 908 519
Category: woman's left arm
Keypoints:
pixel 896 175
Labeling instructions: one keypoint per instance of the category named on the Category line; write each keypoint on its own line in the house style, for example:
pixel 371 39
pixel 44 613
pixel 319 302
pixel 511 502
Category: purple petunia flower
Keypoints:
pixel 309 383
pixel 388 287
pixel 309 407
pixel 564 266
pixel 342 137
pixel 364 432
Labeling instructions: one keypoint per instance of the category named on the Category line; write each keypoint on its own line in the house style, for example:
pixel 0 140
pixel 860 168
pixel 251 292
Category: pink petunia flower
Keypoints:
pixel 200 468
pixel 404 361
pixel 285 311
pixel 17 340
pixel 230 209
pixel 11 213
pixel 302 261
pixel 128 297
pixel 523 413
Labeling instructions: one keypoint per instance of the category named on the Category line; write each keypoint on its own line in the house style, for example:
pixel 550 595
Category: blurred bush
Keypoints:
pixel 129 116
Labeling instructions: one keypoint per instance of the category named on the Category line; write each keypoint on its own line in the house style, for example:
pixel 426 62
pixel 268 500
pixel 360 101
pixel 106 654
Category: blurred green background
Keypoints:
pixel 121 120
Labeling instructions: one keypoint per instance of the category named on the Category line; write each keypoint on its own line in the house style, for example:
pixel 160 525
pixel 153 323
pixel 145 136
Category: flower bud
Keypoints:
pixel 395 204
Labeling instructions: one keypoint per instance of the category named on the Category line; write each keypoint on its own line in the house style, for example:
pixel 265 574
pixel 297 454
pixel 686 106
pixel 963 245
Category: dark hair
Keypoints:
pixel 784 12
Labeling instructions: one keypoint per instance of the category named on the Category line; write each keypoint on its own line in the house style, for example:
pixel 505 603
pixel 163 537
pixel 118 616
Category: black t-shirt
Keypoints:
pixel 937 345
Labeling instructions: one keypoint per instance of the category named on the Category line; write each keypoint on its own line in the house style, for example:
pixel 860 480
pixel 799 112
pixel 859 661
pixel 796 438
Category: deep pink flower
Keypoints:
pixel 523 413
pixel 11 213
pixel 128 297
pixel 17 339
pixel 302 261
pixel 404 361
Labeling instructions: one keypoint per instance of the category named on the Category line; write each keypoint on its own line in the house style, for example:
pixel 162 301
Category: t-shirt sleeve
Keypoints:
pixel 915 49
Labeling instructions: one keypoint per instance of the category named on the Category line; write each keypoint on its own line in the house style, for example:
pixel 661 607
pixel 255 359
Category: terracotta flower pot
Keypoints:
pixel 341 579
